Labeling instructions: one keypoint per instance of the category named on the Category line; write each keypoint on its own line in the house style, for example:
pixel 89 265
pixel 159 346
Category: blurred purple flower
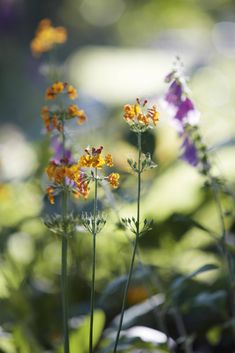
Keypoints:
pixel 183 112
pixel 57 146
pixel 189 152
pixel 173 96
pixel 184 108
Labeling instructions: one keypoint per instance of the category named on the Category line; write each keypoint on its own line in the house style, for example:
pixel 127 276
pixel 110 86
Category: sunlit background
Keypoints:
pixel 117 50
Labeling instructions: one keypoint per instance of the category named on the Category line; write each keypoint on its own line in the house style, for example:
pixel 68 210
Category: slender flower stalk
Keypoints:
pixel 93 265
pixel 140 120
pixel 93 160
pixel 135 244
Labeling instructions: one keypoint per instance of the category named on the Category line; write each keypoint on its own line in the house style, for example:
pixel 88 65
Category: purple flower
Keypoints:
pixel 173 96
pixel 189 152
pixel 184 108
pixel 57 146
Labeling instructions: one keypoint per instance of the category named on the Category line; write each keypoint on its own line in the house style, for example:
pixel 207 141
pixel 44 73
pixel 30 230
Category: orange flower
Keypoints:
pixel 73 110
pixel 109 160
pixel 91 161
pixel 113 180
pixel 81 117
pixel 139 117
pixel 57 87
pixel 46 37
pixel 72 92
pixel 50 94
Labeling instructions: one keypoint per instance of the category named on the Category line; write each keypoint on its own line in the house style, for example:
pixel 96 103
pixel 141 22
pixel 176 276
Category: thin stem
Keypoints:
pixel 224 247
pixel 134 248
pixel 93 266
pixel 182 329
pixel 64 252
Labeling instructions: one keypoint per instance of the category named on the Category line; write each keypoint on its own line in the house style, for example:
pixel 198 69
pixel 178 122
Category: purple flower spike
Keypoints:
pixel 173 97
pixel 184 108
pixel 189 152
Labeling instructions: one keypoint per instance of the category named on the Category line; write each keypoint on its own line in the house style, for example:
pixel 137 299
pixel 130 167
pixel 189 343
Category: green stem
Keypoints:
pixel 64 282
pixel 64 265
pixel 93 266
pixel 224 249
pixel 182 330
pixel 134 248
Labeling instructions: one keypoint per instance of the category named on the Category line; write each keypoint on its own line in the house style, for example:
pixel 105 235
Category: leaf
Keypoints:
pixel 79 338
pixel 25 341
pixel 181 280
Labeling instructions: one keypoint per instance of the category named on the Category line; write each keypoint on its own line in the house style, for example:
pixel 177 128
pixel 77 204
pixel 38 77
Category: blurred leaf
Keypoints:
pixel 210 299
pixel 25 341
pixel 6 343
pixel 79 339
pixel 180 281
pixel 214 335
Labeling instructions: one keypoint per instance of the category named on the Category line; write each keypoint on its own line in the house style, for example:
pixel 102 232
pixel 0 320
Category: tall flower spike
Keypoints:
pixel 183 113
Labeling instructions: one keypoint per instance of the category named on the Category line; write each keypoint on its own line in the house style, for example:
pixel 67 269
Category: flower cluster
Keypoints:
pixel 93 159
pixel 54 118
pixel 140 117
pixel 184 114
pixel 46 37
pixel 66 176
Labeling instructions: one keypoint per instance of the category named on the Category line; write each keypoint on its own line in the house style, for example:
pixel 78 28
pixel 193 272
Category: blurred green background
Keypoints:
pixel 117 50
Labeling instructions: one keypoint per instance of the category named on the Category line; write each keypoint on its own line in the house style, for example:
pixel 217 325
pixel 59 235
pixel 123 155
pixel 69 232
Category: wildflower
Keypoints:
pixel 50 94
pixel 109 160
pixel 74 111
pixel 113 180
pixel 46 37
pixel 140 117
pixel 57 87
pixel 183 114
pixel 72 92
pixel 189 152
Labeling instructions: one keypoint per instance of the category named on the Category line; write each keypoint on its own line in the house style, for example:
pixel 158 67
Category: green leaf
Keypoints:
pixel 79 338
pixel 25 341
pixel 180 281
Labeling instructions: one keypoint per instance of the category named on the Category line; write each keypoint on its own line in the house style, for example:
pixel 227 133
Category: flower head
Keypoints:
pixel 54 118
pixel 113 180
pixel 46 37
pixel 140 117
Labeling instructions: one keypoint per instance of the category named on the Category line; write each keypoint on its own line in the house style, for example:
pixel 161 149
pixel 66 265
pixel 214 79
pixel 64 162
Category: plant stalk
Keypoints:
pixel 134 248
pixel 93 266
pixel 64 265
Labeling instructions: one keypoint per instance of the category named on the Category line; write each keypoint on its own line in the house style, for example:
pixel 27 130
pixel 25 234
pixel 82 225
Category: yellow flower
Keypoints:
pixel 72 92
pixel 88 161
pixel 73 110
pixel 46 37
pixel 139 116
pixel 50 94
pixel 81 117
pixel 113 180
pixel 109 160
pixel 57 87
